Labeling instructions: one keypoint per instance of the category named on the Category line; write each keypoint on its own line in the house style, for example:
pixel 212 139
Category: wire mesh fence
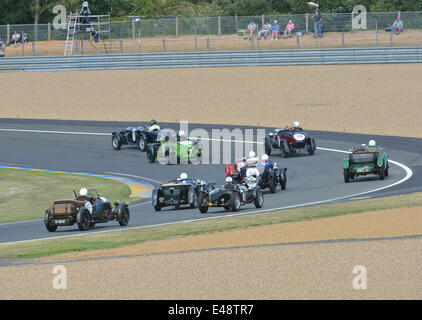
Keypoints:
pixel 222 33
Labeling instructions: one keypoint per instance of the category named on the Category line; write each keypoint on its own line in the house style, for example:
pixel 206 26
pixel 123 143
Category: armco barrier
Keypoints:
pixel 216 59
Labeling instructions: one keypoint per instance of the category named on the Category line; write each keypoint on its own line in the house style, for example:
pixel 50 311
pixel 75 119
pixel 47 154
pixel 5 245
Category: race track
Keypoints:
pixel 312 180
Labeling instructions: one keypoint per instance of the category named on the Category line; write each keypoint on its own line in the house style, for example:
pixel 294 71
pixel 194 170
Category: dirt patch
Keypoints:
pixel 374 99
pixel 387 223
pixel 359 39
pixel 300 271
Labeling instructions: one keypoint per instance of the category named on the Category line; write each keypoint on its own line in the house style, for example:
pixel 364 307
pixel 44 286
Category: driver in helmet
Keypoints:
pixel 153 126
pixel 184 179
pixel 252 160
pixel 296 126
pixel 372 146
pixel 83 195
pixel 229 181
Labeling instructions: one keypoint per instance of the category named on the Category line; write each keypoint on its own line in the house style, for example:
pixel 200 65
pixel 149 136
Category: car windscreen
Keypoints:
pixel 357 158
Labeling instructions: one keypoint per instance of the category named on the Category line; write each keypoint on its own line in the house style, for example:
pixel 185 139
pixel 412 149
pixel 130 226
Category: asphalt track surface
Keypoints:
pixel 85 146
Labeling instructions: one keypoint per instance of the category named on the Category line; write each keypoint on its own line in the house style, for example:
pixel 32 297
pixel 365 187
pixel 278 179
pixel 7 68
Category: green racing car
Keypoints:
pixel 365 160
pixel 174 149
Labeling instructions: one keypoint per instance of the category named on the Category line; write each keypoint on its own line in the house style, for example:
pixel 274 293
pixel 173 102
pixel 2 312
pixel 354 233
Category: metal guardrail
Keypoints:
pixel 216 59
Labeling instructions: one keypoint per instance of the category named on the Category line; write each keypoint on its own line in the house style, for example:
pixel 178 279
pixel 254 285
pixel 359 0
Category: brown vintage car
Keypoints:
pixel 77 210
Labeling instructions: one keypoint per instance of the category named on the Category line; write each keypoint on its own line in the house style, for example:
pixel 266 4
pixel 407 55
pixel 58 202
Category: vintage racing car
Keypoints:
pixel 86 211
pixel 178 192
pixel 139 136
pixel 171 148
pixel 270 175
pixel 289 141
pixel 232 195
pixel 363 161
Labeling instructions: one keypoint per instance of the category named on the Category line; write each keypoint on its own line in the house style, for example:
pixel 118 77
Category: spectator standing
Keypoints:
pixel 290 28
pixel 275 30
pixel 318 24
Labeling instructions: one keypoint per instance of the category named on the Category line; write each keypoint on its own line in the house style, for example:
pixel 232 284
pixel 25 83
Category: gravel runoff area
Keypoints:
pixel 373 99
pixel 364 99
pixel 303 260
pixel 356 39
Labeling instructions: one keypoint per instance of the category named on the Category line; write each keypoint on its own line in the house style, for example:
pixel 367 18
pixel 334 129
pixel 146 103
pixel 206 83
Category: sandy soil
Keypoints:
pixel 221 43
pixel 377 99
pixel 296 271
pixel 388 223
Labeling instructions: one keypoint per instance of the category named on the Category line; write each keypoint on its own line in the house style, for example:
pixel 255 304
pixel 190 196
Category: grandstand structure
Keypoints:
pixel 88 30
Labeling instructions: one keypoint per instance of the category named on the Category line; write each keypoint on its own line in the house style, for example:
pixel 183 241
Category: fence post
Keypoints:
pixel 33 48
pixel 23 46
pixel 208 44
pixel 307 22
pixel 133 29
pixel 262 19
pixel 8 33
pixel 236 23
pixel 252 44
pixel 164 45
pixel 177 26
pixel 342 40
pixel 298 42
pixel 219 25
pixel 196 38
pixel 391 39
pixel 49 31
pixel 121 47
pixel 376 33
pixel 353 16
pixel 316 41
pixel 257 43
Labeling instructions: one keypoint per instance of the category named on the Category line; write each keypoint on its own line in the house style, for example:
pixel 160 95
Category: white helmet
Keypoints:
pixel 183 176
pixel 372 143
pixel 83 192
pixel 181 133
pixel 229 179
pixel 296 124
pixel 252 154
pixel 264 157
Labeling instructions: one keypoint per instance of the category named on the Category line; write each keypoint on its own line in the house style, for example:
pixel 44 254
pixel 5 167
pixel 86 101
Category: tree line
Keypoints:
pixel 40 11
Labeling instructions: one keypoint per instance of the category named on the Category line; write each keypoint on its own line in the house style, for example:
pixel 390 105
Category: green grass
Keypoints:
pixel 24 195
pixel 116 239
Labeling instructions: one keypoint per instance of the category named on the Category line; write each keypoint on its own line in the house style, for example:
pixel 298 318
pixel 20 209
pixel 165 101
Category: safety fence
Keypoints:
pixel 215 59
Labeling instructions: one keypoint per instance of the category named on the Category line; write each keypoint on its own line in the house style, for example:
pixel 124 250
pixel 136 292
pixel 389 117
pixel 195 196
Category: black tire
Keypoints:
pixel 150 156
pixel 235 202
pixel 142 143
pixel 259 199
pixel 267 149
pixel 346 176
pixel 386 172
pixel 382 174
pixel 203 203
pixel 115 142
pixel 83 225
pixel 227 208
pixel 92 225
pixel 272 184
pixel 50 227
pixel 283 151
pixel 194 203
pixel 311 149
pixel 157 208
pixel 283 182
pixel 124 216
